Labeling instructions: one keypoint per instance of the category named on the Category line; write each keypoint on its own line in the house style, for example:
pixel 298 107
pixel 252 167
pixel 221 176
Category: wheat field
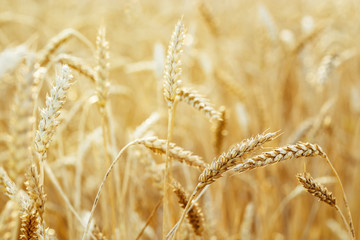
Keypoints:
pixel 179 120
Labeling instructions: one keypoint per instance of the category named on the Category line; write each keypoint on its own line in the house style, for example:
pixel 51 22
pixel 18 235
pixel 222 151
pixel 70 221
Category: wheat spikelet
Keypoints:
pixel 49 114
pixel 102 68
pixel 76 64
pixel 280 154
pixel 172 69
pixel 195 215
pixel 175 152
pixel 316 188
pixel 229 159
pixel 198 102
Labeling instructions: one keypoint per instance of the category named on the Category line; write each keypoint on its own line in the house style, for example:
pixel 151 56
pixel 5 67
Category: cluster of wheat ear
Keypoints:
pixel 131 132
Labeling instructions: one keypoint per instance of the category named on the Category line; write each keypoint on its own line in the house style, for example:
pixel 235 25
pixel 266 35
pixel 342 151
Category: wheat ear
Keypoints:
pixel 195 215
pixel 175 152
pixel 228 160
pixel 30 224
pixel 172 69
pixel 172 72
pixel 219 166
pixel 316 189
pixel 198 102
pixel 322 193
pixel 77 64
pixel 280 154
pixel 49 115
pixel 54 43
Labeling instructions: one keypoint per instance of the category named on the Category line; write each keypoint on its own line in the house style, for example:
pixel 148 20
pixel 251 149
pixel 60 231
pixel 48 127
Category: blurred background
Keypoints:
pixel 273 65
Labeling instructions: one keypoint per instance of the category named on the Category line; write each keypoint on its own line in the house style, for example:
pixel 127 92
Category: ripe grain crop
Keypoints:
pixel 154 120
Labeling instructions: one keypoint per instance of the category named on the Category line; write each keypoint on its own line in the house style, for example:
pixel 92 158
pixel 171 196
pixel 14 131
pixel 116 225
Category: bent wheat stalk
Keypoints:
pixel 321 192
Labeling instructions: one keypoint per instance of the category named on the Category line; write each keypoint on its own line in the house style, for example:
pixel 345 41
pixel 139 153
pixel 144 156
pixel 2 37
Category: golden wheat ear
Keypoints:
pixel 198 102
pixel 172 70
pixel 195 215
pixel 316 189
pixel 323 194
pixel 175 152
pixel 76 64
pixel 47 52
